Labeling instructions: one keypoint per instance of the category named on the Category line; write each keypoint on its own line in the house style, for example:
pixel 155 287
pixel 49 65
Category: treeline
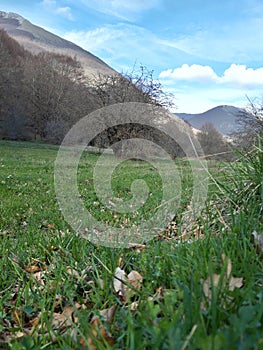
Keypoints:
pixel 43 95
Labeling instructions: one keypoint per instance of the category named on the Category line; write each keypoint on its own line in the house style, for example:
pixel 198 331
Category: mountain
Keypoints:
pixel 224 118
pixel 36 39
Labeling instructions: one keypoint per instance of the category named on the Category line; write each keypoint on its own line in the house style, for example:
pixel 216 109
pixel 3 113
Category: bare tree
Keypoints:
pixel 250 124
pixel 135 86
pixel 213 143
pixel 12 108
pixel 55 89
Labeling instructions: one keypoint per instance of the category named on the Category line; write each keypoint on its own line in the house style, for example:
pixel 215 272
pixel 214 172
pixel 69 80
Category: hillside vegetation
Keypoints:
pixel 43 95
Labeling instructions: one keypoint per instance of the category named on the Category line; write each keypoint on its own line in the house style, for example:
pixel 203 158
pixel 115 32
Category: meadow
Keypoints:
pixel 194 287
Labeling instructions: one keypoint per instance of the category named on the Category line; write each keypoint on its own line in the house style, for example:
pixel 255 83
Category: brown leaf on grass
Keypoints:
pixel 134 305
pixel 137 247
pixel 229 266
pixel 119 287
pixel 161 292
pixel 39 276
pixel 258 240
pixel 235 282
pixel 228 281
pixel 121 282
pixel 32 268
pixel 60 321
pixel 34 322
pixel 98 331
pixel 73 272
pixel 209 283
pixel 135 279
pixel 64 319
pixel 107 314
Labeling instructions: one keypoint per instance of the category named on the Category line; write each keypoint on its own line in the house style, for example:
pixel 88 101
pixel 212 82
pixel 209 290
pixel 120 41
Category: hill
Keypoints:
pixel 36 39
pixel 224 118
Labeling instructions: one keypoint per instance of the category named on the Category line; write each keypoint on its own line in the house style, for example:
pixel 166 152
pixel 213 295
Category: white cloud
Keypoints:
pixel 95 40
pixel 127 10
pixel 120 45
pixel 51 5
pixel 65 11
pixel 240 75
pixel 194 73
pixel 236 75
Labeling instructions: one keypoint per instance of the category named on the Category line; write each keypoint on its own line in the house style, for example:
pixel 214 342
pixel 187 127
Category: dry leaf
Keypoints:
pixel 229 266
pixel 235 282
pixel 59 321
pixel 134 306
pixel 137 247
pixel 34 322
pixel 119 287
pixel 135 279
pixel 98 331
pixel 107 314
pixel 73 272
pixel 63 320
pixel 209 283
pixel 19 334
pixel 228 281
pixel 258 239
pixel 32 268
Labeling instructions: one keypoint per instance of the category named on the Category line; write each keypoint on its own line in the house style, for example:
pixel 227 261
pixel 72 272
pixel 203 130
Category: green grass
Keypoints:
pixel 173 311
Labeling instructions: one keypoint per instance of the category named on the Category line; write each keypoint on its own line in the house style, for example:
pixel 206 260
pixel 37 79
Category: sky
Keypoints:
pixel 205 52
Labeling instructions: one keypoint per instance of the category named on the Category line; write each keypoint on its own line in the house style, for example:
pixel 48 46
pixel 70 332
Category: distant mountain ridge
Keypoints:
pixel 224 118
pixel 36 39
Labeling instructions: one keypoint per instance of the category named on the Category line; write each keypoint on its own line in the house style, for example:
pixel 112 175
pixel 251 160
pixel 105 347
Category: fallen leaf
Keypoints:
pixel 209 283
pixel 32 268
pixel 34 322
pixel 235 282
pixel 119 287
pixel 73 272
pixel 107 314
pixel 229 266
pixel 99 332
pixel 228 281
pixel 258 240
pixel 137 247
pixel 134 305
pixel 135 279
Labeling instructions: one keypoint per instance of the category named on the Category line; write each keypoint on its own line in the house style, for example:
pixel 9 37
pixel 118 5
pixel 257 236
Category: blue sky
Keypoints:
pixel 206 53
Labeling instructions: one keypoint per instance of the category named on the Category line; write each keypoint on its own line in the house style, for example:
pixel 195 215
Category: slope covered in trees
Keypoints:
pixel 43 95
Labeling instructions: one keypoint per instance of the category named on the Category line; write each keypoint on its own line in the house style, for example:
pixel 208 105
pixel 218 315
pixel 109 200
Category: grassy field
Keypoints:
pixel 200 288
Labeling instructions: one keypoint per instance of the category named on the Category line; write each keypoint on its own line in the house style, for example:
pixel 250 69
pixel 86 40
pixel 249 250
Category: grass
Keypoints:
pixel 46 268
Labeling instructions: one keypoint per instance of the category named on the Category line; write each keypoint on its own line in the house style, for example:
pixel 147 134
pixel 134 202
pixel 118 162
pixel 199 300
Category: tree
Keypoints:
pixel 55 94
pixel 12 107
pixel 213 143
pixel 137 86
pixel 250 124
